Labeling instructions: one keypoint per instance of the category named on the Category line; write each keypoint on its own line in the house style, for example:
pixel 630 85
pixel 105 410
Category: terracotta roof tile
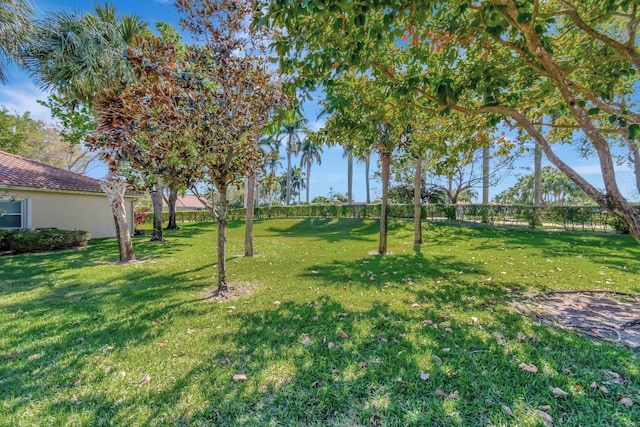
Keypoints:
pixel 21 172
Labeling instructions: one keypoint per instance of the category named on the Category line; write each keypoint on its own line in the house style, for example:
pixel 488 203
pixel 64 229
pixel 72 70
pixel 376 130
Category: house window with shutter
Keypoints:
pixel 14 213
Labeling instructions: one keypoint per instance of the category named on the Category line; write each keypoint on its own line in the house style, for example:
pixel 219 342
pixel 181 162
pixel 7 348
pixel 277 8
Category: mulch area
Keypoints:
pixel 605 315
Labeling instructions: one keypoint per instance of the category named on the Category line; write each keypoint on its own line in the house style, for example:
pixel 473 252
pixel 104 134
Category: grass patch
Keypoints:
pixel 79 337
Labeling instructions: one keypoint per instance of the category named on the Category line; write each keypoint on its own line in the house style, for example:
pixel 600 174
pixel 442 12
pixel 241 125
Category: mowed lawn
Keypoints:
pixel 325 333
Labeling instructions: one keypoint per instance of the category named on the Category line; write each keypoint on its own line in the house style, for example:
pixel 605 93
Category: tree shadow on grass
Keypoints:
pixel 371 373
pixel 333 230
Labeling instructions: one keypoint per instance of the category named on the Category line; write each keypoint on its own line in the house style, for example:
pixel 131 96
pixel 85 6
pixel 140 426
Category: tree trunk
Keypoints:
pixel 308 179
pixel 367 165
pixel 485 184
pixel 156 200
pixel 248 231
pixel 350 178
pixel 537 175
pixel 289 171
pixel 223 219
pixel 417 202
pixel 171 203
pixel 115 188
pixel 634 158
pixel 386 163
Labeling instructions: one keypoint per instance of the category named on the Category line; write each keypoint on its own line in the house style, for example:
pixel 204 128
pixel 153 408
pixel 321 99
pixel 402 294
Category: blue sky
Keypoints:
pixel 20 95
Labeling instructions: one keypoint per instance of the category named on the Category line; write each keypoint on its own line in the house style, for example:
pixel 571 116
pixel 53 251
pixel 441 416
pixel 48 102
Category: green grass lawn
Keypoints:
pixel 85 342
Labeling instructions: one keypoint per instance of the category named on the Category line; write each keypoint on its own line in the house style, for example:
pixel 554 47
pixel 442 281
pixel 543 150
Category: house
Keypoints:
pixel 188 202
pixel 35 195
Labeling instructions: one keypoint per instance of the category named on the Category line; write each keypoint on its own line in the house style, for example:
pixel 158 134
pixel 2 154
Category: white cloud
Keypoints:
pixel 22 98
pixel 594 169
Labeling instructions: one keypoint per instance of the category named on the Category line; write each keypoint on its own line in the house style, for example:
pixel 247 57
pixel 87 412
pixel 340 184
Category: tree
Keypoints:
pixel 291 128
pixel 80 58
pixel 230 98
pixel 310 152
pixel 15 17
pixel 271 153
pixel 348 153
pixel 541 66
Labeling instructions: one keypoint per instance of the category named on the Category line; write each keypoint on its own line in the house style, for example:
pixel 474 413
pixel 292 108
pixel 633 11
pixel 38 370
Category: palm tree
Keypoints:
pixel 311 152
pixel 81 58
pixel 298 182
pixel 271 149
pixel 348 153
pixel 14 32
pixel 291 128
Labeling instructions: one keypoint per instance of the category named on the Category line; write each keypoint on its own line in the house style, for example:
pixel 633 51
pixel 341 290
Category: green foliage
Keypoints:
pixel 320 200
pixel 557 189
pixel 4 241
pixel 15 27
pixel 43 239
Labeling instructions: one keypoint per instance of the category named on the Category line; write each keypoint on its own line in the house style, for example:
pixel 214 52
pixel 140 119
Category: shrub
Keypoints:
pixel 45 239
pixel 4 242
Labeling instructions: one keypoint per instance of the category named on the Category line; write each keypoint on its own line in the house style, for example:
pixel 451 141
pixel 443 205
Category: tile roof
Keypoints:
pixel 18 171
pixel 187 201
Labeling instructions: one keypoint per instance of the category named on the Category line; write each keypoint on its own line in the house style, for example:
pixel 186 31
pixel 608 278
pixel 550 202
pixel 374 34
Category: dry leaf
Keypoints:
pixel 508 410
pixel 315 384
pixel 626 401
pixel 314 318
pixel 558 392
pixel 341 334
pixel 374 420
pixel 123 374
pixel 81 340
pixel 604 389
pixel 109 348
pixel 424 376
pixel 400 380
pixel 448 329
pixel 544 407
pixel 446 349
pixel 77 382
pixel 382 340
pixel 529 367
pixel 475 319
pixel 577 387
pixel 594 385
pixel 331 345
pixel 436 359
pixel 231 308
pixel 277 303
pixel 440 393
pixel 548 419
pixel 501 340
pixel 362 365
pixel 162 344
pixel 34 357
pixel 522 337
pixel 239 377
pixel 190 331
pixel 566 371
pixel 75 401
pixel 415 305
pixel 454 395
pixel 306 341
pixel 145 379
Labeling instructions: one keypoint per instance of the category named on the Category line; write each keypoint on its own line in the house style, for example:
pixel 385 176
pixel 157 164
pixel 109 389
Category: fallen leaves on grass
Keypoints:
pixel 145 379
pixel 436 359
pixel 500 339
pixel 548 419
pixel 77 382
pixel 341 334
pixel 529 367
pixel 239 377
pixel 277 303
pixel 424 376
pixel 306 341
pixel 626 401
pixel 231 308
pixel 522 337
pixel 12 356
pixel 558 392
pixel 331 345
pixel 507 410
pixel 415 305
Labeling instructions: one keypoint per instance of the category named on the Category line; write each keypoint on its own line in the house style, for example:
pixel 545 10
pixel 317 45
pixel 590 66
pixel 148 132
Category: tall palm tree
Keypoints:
pixel 310 152
pixel 271 149
pixel 291 129
pixel 348 153
pixel 81 58
pixel 14 32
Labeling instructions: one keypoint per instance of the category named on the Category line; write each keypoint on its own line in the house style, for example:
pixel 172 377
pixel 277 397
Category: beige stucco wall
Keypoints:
pixel 73 210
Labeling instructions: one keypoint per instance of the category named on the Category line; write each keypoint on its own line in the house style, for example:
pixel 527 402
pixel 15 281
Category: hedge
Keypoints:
pixel 585 218
pixel 41 239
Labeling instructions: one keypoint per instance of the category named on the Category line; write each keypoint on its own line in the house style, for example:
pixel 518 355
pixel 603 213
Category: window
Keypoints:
pixel 14 213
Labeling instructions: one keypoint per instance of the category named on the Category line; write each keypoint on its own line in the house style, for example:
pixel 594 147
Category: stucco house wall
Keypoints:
pixel 72 210
pixel 36 195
